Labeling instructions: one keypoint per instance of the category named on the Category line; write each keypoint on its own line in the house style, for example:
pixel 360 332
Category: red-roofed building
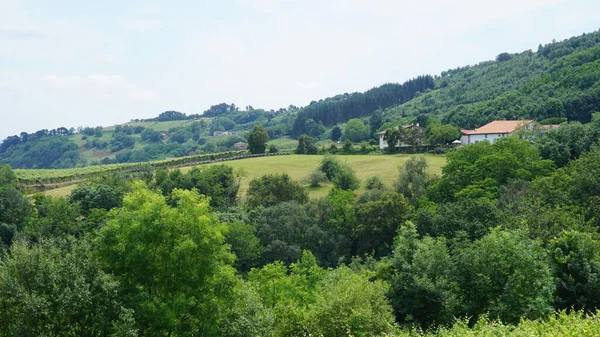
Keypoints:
pixel 493 131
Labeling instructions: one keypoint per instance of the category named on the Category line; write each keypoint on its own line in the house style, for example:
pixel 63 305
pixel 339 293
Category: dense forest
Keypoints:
pixel 341 108
pixel 505 241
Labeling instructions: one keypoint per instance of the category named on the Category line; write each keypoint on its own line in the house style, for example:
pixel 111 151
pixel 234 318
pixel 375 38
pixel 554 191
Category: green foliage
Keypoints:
pixel 244 244
pixel 57 288
pixel 573 324
pixel 469 218
pixel 315 178
pixel 306 145
pixel 172 263
pixel 288 228
pixel 576 259
pixel 478 170
pixel 14 207
pixel 41 153
pixel 374 183
pixel 257 140
pixel 422 288
pixel 351 305
pixel 336 133
pixel 216 182
pixel 377 222
pixel 585 174
pixel 272 189
pixel 506 275
pixel 443 134
pixel 356 131
pixel 557 81
pixel 341 108
pixel 566 143
pixel 413 180
pixel 345 179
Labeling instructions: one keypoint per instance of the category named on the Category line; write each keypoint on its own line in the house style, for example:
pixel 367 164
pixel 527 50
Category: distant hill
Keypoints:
pixel 560 79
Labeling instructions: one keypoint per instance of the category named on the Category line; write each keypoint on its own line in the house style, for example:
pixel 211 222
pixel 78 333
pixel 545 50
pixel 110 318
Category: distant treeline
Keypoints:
pixel 341 108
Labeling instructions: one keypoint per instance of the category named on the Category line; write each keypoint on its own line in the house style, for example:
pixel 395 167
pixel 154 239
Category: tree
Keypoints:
pixel 57 288
pixel 356 130
pixel 257 140
pixel 413 180
pixel 443 134
pixel 478 170
pixel 375 122
pixel 345 179
pixel 272 189
pixel 14 207
pixel 576 259
pixel 306 145
pixel 172 262
pixel 507 275
pixel 377 222
pixel 393 137
pixel 336 133
pixel 349 304
pixel 423 291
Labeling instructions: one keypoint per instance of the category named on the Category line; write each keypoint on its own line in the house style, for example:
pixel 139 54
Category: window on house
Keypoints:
pixel 486 135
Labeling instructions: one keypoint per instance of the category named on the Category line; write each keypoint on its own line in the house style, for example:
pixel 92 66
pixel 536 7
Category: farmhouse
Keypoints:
pixel 383 143
pixel 240 145
pixel 493 131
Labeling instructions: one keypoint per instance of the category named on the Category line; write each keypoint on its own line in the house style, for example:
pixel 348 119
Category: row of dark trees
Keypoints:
pixel 341 108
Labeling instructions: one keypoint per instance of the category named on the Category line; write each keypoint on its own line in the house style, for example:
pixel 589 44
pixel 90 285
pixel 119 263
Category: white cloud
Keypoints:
pixel 141 25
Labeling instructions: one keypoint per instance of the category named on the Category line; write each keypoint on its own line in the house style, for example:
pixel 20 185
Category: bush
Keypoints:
pixel 346 179
pixel 316 178
pixel 374 183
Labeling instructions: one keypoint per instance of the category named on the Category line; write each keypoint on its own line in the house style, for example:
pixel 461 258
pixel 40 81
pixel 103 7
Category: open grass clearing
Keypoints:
pixel 299 167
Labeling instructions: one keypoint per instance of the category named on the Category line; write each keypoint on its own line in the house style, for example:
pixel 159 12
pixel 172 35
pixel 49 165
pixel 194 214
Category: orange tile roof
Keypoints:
pixel 501 127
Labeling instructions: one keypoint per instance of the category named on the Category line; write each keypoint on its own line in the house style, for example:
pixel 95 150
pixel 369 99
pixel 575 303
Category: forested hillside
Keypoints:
pixel 341 108
pixel 509 232
pixel 560 79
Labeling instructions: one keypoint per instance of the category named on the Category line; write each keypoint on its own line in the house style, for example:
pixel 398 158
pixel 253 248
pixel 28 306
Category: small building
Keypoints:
pixel 225 133
pixel 493 131
pixel 240 145
pixel 383 143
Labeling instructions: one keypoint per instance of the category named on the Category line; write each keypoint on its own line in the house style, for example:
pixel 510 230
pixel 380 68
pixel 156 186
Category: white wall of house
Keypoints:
pixel 383 143
pixel 491 137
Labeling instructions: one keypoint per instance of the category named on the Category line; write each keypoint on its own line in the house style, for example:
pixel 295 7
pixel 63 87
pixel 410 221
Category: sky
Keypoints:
pixel 88 63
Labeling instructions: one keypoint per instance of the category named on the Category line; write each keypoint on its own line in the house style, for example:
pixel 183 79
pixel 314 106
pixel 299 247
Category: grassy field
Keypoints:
pixel 299 166
pixel 284 144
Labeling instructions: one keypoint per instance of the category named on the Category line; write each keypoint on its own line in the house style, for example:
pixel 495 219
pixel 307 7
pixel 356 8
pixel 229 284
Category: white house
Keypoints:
pixel 383 143
pixel 493 131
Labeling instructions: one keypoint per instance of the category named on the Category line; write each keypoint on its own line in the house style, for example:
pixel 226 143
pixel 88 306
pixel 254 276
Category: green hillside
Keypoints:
pixel 559 80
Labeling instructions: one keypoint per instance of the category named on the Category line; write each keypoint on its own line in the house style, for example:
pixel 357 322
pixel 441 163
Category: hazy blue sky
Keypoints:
pixel 77 63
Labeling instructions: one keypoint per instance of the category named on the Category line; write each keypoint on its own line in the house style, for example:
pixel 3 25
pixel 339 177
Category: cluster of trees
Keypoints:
pixel 503 234
pixel 341 108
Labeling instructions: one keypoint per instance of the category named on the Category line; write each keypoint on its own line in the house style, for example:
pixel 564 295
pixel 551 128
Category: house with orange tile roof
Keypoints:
pixel 493 131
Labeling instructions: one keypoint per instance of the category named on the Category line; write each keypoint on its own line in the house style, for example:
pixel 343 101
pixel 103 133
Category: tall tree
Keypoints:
pixel 257 140
pixel 172 262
